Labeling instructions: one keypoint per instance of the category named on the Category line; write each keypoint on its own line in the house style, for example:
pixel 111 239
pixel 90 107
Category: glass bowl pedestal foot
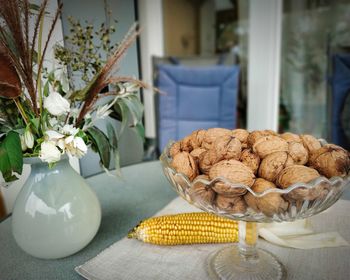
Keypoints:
pixel 245 261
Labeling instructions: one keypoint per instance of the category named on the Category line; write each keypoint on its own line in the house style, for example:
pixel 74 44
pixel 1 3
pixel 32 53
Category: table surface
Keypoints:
pixel 143 191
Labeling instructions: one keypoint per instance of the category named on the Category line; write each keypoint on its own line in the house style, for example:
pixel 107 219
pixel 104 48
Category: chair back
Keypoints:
pixel 195 98
pixel 340 89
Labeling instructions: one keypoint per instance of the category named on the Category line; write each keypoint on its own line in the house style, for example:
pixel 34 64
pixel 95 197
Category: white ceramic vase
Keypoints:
pixel 56 213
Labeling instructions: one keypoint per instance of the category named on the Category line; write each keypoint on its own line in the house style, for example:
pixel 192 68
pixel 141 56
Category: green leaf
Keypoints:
pixel 35 124
pixel 140 131
pixel 100 141
pixel 11 158
pixel 113 140
pixel 112 136
pixel 124 112
pixel 46 89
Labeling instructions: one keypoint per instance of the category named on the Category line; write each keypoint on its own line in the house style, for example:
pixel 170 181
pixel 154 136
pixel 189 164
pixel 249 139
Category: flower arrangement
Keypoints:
pixel 41 113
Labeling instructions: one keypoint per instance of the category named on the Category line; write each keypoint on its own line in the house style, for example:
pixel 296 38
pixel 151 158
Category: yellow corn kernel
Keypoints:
pixel 186 228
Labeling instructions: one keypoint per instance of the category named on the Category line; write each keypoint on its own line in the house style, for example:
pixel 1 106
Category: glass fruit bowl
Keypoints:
pixel 245 261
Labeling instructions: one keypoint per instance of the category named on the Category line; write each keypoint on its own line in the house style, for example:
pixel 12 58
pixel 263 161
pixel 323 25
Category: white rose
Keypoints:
pixel 53 135
pixel 75 146
pixel 29 139
pixel 49 152
pixel 56 104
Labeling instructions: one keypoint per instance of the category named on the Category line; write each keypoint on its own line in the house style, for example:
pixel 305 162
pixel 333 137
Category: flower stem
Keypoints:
pixel 21 110
pixel 38 82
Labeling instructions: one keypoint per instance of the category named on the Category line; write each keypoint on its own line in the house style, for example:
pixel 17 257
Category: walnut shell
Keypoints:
pixel 197 137
pixel 250 159
pixel 331 160
pixel 212 134
pixel 268 204
pixel 291 137
pixel 230 205
pixel 273 164
pixel 226 147
pixel 197 152
pixel 298 152
pixel 269 144
pixel 202 192
pixel 186 144
pixel 175 149
pixel 299 173
pixel 183 162
pixel 257 134
pixel 205 160
pixel 310 143
pixel 241 134
pixel 234 171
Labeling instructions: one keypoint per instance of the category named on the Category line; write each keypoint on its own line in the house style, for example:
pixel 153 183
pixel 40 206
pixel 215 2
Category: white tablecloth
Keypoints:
pixel 132 259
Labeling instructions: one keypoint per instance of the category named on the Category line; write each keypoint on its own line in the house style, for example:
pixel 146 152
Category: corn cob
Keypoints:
pixel 187 228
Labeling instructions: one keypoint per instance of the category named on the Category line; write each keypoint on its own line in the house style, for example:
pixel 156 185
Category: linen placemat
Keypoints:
pixel 130 259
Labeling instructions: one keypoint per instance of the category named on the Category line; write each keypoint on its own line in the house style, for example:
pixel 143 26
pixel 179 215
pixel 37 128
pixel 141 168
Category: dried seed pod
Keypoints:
pixel 235 172
pixel 212 134
pixel 269 144
pixel 250 159
pixel 232 205
pixel 291 137
pixel 227 147
pixel 183 162
pixel 331 160
pixel 310 143
pixel 202 192
pixel 299 173
pixel 241 134
pixel 273 164
pixel 197 152
pixel 298 152
pixel 175 149
pixel 268 204
pixel 257 134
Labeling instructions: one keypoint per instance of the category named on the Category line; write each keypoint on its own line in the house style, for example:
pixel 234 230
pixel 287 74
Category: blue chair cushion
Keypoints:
pixel 195 98
pixel 340 89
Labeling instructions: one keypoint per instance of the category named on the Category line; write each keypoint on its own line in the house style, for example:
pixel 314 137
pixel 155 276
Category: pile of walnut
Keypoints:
pixel 261 160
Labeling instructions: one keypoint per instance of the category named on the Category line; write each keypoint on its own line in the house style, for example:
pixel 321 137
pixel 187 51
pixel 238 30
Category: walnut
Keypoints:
pixel 291 137
pixel 227 147
pixel 241 134
pixel 299 173
pixel 310 143
pixel 202 192
pixel 175 149
pixel 231 205
pixel 331 160
pixel 183 162
pixel 273 164
pixel 205 160
pixel 257 134
pixel 298 152
pixel 212 134
pixel 269 204
pixel 235 172
pixel 197 152
pixel 197 137
pixel 269 144
pixel 186 144
pixel 250 159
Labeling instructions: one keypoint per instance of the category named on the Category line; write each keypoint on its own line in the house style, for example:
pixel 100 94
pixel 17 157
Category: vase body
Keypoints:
pixel 56 213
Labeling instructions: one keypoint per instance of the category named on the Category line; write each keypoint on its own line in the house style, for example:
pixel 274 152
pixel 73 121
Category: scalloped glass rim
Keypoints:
pixel 297 209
